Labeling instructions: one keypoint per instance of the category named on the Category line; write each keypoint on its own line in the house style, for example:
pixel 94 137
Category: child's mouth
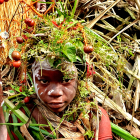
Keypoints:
pixel 56 105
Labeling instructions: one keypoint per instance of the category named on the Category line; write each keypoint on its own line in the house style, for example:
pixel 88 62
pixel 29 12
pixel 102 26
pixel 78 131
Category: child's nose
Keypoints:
pixel 56 90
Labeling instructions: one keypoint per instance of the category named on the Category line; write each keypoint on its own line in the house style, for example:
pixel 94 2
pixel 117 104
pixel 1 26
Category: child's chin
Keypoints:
pixel 57 110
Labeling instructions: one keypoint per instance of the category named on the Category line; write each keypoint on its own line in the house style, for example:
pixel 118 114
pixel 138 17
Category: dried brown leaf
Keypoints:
pixel 134 131
pixel 25 132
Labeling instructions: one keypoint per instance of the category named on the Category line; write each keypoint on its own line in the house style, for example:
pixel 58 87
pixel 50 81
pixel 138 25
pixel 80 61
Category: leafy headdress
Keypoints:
pixel 61 41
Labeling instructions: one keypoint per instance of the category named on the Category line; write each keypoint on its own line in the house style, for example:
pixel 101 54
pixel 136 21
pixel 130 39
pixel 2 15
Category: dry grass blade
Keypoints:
pixel 93 22
pixel 108 102
pixel 137 96
pixel 137 92
pixel 5 71
pixel 138 3
pixel 135 71
pixel 131 24
pixel 131 73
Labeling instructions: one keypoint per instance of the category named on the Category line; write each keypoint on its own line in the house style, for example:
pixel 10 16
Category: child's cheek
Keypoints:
pixel 70 91
pixel 39 90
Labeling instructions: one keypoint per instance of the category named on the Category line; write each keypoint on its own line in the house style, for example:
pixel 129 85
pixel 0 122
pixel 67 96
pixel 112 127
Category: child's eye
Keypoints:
pixel 44 81
pixel 66 80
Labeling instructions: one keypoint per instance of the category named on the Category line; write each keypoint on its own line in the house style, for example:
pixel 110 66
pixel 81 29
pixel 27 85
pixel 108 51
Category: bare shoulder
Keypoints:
pixel 36 114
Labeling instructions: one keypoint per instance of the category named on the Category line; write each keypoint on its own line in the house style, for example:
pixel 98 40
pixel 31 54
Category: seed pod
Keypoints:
pixel 88 49
pixel 16 55
pixel 27 99
pixel 19 40
pixel 17 64
pixel 1 1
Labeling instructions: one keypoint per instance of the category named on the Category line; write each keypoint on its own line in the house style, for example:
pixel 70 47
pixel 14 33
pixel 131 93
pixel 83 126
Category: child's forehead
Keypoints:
pixel 67 68
pixel 41 65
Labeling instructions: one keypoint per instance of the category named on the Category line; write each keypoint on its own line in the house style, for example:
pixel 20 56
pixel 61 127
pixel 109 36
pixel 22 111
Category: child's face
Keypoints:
pixel 53 91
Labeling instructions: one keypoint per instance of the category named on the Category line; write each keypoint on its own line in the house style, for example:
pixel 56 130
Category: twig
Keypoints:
pixel 33 9
pixel 12 18
pixel 39 35
pixel 28 122
pixel 21 20
pixel 51 7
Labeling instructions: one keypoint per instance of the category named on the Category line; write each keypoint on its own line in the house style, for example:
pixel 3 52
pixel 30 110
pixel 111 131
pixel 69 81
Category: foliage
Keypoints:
pixel 62 44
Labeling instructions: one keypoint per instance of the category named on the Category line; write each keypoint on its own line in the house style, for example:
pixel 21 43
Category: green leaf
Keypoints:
pixel 74 8
pixel 78 58
pixel 64 12
pixel 16 131
pixel 74 22
pixel 6 112
pixel 56 63
pixel 89 133
pixel 10 53
pixel 70 51
pixel 20 104
pixel 9 132
pixel 51 127
pixel 84 92
pixel 11 91
pixel 44 2
pixel 51 61
pixel 42 131
pixel 35 134
pixel 30 78
pixel 59 12
pixel 60 19
pixel 18 112
pixel 79 45
pixel 16 88
pixel 23 93
pixel 122 133
pixel 20 124
pixel 28 112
